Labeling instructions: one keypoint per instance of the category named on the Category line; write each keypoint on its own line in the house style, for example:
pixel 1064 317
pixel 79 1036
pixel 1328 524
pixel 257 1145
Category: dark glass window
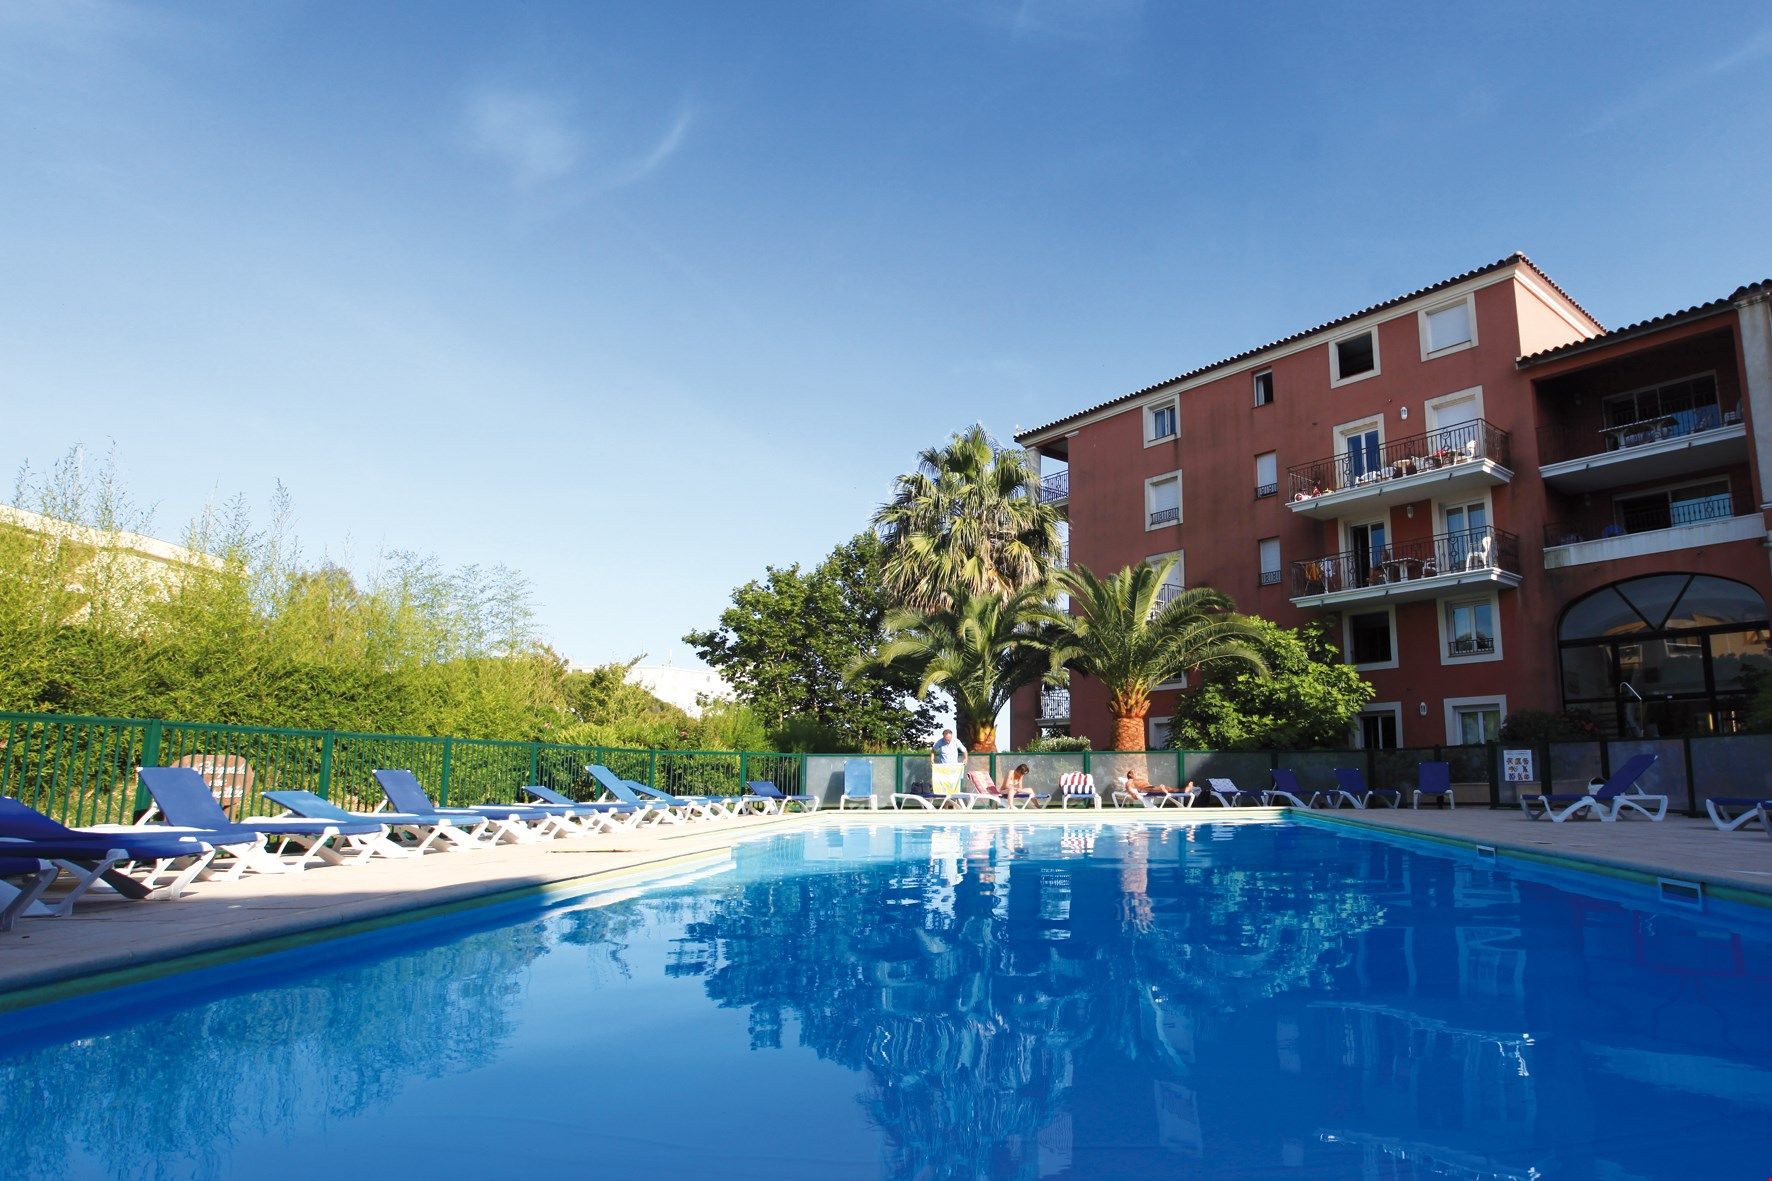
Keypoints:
pixel 1369 638
pixel 1355 355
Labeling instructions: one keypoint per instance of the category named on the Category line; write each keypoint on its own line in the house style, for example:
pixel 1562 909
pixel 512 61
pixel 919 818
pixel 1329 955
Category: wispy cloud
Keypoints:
pixel 527 133
pixel 655 158
pixel 1661 90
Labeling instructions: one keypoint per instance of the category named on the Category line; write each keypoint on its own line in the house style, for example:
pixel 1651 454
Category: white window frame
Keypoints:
pixel 1361 425
pixel 1180 577
pixel 1172 404
pixel 1444 606
pixel 1347 637
pixel 1150 729
pixel 1430 409
pixel 1150 483
pixel 1335 377
pixel 1357 732
pixel 1255 387
pixel 1469 300
pixel 1279 561
pixel 1451 705
pixel 1276 480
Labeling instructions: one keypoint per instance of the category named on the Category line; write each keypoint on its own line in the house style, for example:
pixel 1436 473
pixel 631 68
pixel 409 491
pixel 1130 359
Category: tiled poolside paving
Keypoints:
pixel 107 934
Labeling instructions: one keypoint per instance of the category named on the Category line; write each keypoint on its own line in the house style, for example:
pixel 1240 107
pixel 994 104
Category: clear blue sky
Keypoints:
pixel 640 297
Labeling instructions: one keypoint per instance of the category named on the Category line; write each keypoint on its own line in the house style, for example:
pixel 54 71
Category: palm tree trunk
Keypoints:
pixel 984 739
pixel 1129 732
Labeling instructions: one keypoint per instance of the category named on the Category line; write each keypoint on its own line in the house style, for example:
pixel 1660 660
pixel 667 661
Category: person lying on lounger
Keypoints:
pixel 1135 781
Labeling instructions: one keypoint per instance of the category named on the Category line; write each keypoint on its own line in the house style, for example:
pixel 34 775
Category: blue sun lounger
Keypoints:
pixel 696 807
pixel 1287 787
pixel 507 822
pixel 423 830
pixel 599 816
pixel 1434 779
pixel 183 797
pixel 1606 801
pixel 762 789
pixel 18 900
pixel 1351 783
pixel 173 860
pixel 626 791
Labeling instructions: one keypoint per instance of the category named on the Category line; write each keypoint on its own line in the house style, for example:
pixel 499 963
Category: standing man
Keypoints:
pixel 948 749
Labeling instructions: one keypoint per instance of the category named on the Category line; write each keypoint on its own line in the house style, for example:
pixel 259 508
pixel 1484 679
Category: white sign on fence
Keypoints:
pixel 1516 766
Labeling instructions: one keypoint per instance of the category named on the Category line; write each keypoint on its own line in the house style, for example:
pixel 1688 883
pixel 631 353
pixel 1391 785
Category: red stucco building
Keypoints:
pixel 1500 503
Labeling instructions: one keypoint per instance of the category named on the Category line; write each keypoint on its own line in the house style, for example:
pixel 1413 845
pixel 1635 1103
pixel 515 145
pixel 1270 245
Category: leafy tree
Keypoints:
pixel 787 641
pixel 969 520
pixel 1305 696
pixel 609 710
pixel 980 651
pixel 1120 635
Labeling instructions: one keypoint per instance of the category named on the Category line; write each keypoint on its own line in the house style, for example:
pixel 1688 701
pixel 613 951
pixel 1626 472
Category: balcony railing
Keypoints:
pixel 1356 468
pixel 1470 646
pixel 1167 593
pixel 1262 490
pixel 1556 444
pixel 1055 487
pixel 1270 577
pixel 1055 705
pixel 1466 551
pixel 1642 519
pixel 1165 516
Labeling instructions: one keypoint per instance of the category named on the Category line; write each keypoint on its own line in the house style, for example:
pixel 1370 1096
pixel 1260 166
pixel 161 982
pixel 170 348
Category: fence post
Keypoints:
pixel 443 779
pixel 534 763
pixel 1691 783
pixel 1494 774
pixel 744 775
pixel 804 788
pixel 652 767
pixel 325 784
pixel 897 773
pixel 151 745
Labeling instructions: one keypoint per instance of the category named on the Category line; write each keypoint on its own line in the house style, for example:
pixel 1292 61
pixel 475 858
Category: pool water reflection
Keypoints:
pixel 1211 1001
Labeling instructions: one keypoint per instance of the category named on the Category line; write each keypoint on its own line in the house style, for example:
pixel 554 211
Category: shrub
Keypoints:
pixel 1543 725
pixel 1055 743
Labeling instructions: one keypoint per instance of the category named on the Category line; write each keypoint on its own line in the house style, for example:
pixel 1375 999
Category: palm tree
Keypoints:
pixel 979 651
pixel 969 520
pixel 1123 636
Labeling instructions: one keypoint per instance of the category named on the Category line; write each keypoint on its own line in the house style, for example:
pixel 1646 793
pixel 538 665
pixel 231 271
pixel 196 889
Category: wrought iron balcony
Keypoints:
pixel 1409 570
pixel 1682 442
pixel 1165 516
pixel 1270 578
pixel 1055 705
pixel 1643 519
pixel 1056 487
pixel 1470 646
pixel 1401 470
pixel 1262 490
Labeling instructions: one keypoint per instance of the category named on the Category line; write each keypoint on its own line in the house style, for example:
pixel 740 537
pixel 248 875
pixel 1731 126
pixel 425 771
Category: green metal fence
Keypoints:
pixel 82 770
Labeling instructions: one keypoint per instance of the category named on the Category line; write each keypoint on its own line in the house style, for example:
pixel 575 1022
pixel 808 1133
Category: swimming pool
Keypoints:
pixel 1208 1000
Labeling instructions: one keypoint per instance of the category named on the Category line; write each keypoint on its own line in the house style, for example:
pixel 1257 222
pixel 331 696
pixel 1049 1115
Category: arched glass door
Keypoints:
pixel 1665 655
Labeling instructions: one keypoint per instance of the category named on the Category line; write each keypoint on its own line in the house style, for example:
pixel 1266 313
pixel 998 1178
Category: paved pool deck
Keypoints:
pixel 108 939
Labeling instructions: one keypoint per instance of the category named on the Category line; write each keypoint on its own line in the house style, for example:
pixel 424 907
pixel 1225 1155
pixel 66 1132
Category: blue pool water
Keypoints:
pixel 1215 1001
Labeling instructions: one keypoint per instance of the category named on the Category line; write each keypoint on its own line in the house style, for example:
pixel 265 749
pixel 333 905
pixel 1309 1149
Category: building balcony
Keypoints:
pixel 1410 570
pixel 1055 705
pixel 1680 443
pixel 1055 489
pixel 1711 521
pixel 1459 458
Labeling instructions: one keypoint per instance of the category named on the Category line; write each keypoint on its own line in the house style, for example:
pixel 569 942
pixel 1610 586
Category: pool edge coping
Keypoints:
pixel 123 970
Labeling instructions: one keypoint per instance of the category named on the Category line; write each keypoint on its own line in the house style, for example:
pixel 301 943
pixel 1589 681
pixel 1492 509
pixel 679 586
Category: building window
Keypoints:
pixel 1353 357
pixel 1473 725
pixel 1264 388
pixel 1177 579
pixel 1160 422
pixel 1692 504
pixel 1369 639
pixel 1362 458
pixel 1161 730
pixel 1270 560
pixel 1470 628
pixel 1162 501
pixel 1267 474
pixel 1380 727
pixel 1446 328
pixel 1667 411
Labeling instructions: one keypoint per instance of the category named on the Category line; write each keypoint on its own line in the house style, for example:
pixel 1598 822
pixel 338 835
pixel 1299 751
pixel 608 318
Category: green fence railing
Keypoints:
pixel 82 770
